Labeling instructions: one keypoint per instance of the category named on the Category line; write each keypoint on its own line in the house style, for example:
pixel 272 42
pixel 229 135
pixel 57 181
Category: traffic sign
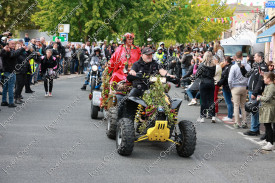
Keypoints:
pixel 270 4
pixel 61 38
pixel 64 28
pixel 65 36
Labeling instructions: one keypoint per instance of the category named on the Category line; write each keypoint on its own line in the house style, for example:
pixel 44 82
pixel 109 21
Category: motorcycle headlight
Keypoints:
pixel 160 109
pixel 94 68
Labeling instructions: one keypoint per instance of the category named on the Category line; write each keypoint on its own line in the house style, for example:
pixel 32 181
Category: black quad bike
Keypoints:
pixel 115 108
pixel 153 117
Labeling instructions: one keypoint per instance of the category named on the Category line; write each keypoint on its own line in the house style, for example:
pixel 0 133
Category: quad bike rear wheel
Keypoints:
pixel 111 123
pixel 187 139
pixel 125 136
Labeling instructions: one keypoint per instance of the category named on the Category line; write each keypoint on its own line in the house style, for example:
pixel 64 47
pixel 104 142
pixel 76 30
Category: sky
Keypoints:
pixel 248 2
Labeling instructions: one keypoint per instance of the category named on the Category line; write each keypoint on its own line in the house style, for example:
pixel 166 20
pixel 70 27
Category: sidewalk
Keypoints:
pixel 223 113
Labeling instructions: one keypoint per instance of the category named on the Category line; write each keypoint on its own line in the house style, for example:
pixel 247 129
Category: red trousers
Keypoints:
pixel 216 98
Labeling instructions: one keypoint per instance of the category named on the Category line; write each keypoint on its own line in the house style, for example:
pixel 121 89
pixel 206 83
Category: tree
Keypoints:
pixel 106 19
pixel 15 15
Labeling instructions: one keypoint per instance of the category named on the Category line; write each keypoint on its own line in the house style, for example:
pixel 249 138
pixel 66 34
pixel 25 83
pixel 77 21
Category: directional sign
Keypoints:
pixel 61 38
pixel 270 4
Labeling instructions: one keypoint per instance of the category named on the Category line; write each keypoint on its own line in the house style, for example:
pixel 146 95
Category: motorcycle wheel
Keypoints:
pixel 94 111
pixel 187 139
pixel 111 123
pixel 125 136
pixel 93 84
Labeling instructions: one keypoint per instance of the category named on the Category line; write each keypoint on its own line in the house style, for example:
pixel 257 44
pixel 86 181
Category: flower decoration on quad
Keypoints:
pixel 155 97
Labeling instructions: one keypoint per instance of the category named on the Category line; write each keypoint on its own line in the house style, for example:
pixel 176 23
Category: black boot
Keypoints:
pixel 83 87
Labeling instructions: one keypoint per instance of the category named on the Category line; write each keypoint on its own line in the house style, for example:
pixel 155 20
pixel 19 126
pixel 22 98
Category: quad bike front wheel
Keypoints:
pixel 111 123
pixel 125 136
pixel 187 139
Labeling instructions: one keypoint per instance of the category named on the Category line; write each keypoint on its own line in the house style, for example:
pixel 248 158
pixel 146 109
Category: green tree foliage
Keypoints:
pixel 15 14
pixel 158 19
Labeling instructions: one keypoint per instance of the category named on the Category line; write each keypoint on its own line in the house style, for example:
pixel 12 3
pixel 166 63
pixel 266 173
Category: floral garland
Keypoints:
pixel 105 88
pixel 155 97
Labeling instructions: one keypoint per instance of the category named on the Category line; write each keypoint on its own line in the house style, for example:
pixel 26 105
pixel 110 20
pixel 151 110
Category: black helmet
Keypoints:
pixel 97 49
pixel 252 106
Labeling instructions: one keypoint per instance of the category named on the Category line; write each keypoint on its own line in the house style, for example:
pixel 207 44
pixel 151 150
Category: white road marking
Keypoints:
pixel 229 127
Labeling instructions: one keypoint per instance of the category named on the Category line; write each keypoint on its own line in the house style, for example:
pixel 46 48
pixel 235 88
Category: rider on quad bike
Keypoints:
pixel 145 66
pixel 150 113
pixel 115 84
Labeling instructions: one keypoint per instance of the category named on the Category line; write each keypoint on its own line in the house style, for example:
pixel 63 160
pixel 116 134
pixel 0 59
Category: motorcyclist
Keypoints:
pixel 159 55
pixel 161 44
pixel 95 60
pixel 145 66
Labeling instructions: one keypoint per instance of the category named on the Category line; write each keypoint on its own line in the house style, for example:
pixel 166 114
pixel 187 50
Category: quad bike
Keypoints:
pixel 120 91
pixel 154 117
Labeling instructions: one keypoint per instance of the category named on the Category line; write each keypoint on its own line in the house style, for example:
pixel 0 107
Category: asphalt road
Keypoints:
pixel 54 140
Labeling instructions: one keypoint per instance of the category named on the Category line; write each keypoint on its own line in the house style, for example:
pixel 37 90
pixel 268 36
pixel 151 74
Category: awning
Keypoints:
pixel 266 35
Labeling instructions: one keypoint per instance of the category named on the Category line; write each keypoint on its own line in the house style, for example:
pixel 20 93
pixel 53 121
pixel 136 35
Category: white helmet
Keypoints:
pixel 161 43
pixel 160 48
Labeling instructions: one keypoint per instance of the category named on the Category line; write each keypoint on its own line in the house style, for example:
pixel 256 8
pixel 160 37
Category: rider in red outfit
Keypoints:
pixel 123 58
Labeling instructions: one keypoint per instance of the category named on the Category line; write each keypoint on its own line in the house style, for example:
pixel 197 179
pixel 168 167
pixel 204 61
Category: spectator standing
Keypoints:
pixel 186 61
pixel 9 58
pixel 217 78
pixel 267 110
pixel 226 90
pixel 256 87
pixel 237 83
pixel 218 50
pixel 48 62
pixel 73 59
pixel 68 54
pixel 206 73
pixel 26 38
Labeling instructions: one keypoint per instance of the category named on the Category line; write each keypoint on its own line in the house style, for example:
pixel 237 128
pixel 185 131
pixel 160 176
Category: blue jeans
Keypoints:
pixel 183 72
pixel 227 97
pixel 255 122
pixel 9 82
pixel 189 93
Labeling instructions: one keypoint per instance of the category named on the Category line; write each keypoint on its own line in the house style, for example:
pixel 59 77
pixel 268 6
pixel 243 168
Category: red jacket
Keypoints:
pixel 118 60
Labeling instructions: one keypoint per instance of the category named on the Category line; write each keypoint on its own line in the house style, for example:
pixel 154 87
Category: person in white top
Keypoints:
pixel 217 78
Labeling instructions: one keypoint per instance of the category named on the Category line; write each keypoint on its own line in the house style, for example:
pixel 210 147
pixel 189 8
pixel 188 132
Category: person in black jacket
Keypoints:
pixel 9 57
pixel 226 90
pixel 186 61
pixel 206 73
pixel 256 87
pixel 57 55
pixel 22 68
pixel 48 62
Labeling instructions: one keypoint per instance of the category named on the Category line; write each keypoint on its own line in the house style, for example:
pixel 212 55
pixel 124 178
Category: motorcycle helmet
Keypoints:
pixel 127 35
pixel 161 43
pixel 252 106
pixel 160 48
pixel 97 49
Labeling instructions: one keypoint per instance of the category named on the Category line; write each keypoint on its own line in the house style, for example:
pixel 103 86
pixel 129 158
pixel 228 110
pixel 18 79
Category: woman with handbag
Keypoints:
pixel 48 62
